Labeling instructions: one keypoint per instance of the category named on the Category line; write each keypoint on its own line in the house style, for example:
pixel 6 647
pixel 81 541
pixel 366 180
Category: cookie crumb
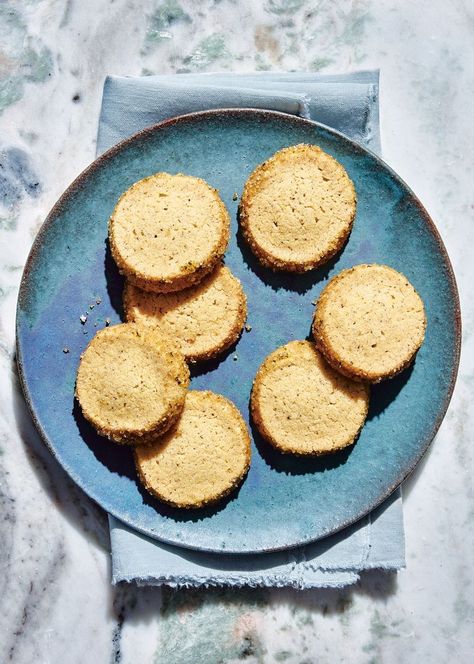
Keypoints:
pixel 91 306
pixel 314 303
pixel 65 350
pixel 98 300
pixel 84 332
pixel 235 357
pixel 248 328
pixel 107 322
pixel 83 318
pixel 235 196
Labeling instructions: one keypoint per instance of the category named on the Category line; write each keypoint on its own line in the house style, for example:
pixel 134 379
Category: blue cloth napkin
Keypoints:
pixel 348 103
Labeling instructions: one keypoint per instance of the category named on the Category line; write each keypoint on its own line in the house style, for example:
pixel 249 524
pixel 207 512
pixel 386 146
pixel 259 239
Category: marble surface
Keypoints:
pixel 57 604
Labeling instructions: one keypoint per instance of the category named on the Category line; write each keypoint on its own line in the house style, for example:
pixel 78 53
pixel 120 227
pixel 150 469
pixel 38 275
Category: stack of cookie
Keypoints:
pixel 312 397
pixel 168 235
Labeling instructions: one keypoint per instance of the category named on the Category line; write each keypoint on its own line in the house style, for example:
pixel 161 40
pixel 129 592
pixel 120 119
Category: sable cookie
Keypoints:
pixel 369 322
pixel 168 231
pixel 204 320
pixel 131 383
pixel 302 406
pixel 202 459
pixel 297 209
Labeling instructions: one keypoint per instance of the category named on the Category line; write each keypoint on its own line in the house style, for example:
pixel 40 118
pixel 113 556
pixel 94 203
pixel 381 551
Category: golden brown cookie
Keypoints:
pixel 297 209
pixel 204 320
pixel 369 322
pixel 168 231
pixel 131 383
pixel 202 459
pixel 302 406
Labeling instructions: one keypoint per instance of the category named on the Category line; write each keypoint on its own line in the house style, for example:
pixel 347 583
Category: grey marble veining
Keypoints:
pixel 57 602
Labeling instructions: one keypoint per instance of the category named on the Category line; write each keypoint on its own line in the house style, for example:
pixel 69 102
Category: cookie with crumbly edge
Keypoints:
pixel 168 231
pixel 302 406
pixel 202 459
pixel 369 322
pixel 297 209
pixel 131 383
pixel 204 320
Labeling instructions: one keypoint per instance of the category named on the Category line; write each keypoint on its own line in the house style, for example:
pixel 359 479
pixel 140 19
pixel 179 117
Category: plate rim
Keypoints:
pixel 252 113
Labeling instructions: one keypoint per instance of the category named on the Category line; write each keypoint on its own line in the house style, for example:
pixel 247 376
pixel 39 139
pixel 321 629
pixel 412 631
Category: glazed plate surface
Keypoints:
pixel 284 502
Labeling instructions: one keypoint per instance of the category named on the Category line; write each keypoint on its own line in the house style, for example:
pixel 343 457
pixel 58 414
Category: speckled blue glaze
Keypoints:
pixel 284 501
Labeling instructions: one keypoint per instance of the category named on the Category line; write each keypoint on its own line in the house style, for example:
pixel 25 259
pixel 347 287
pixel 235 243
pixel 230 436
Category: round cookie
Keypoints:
pixel 168 231
pixel 202 459
pixel 297 209
pixel 369 322
pixel 301 406
pixel 204 320
pixel 131 383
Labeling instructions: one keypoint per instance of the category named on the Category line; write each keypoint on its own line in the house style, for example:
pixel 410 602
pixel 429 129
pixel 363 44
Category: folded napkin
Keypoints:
pixel 348 103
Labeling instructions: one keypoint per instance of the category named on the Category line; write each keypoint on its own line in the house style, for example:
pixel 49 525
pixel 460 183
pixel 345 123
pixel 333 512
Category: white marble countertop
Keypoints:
pixel 57 602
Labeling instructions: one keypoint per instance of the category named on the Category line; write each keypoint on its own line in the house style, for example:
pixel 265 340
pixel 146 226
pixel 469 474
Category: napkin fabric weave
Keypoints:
pixel 348 103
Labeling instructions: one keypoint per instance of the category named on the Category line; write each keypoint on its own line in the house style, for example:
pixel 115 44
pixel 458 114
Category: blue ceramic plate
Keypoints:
pixel 284 501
